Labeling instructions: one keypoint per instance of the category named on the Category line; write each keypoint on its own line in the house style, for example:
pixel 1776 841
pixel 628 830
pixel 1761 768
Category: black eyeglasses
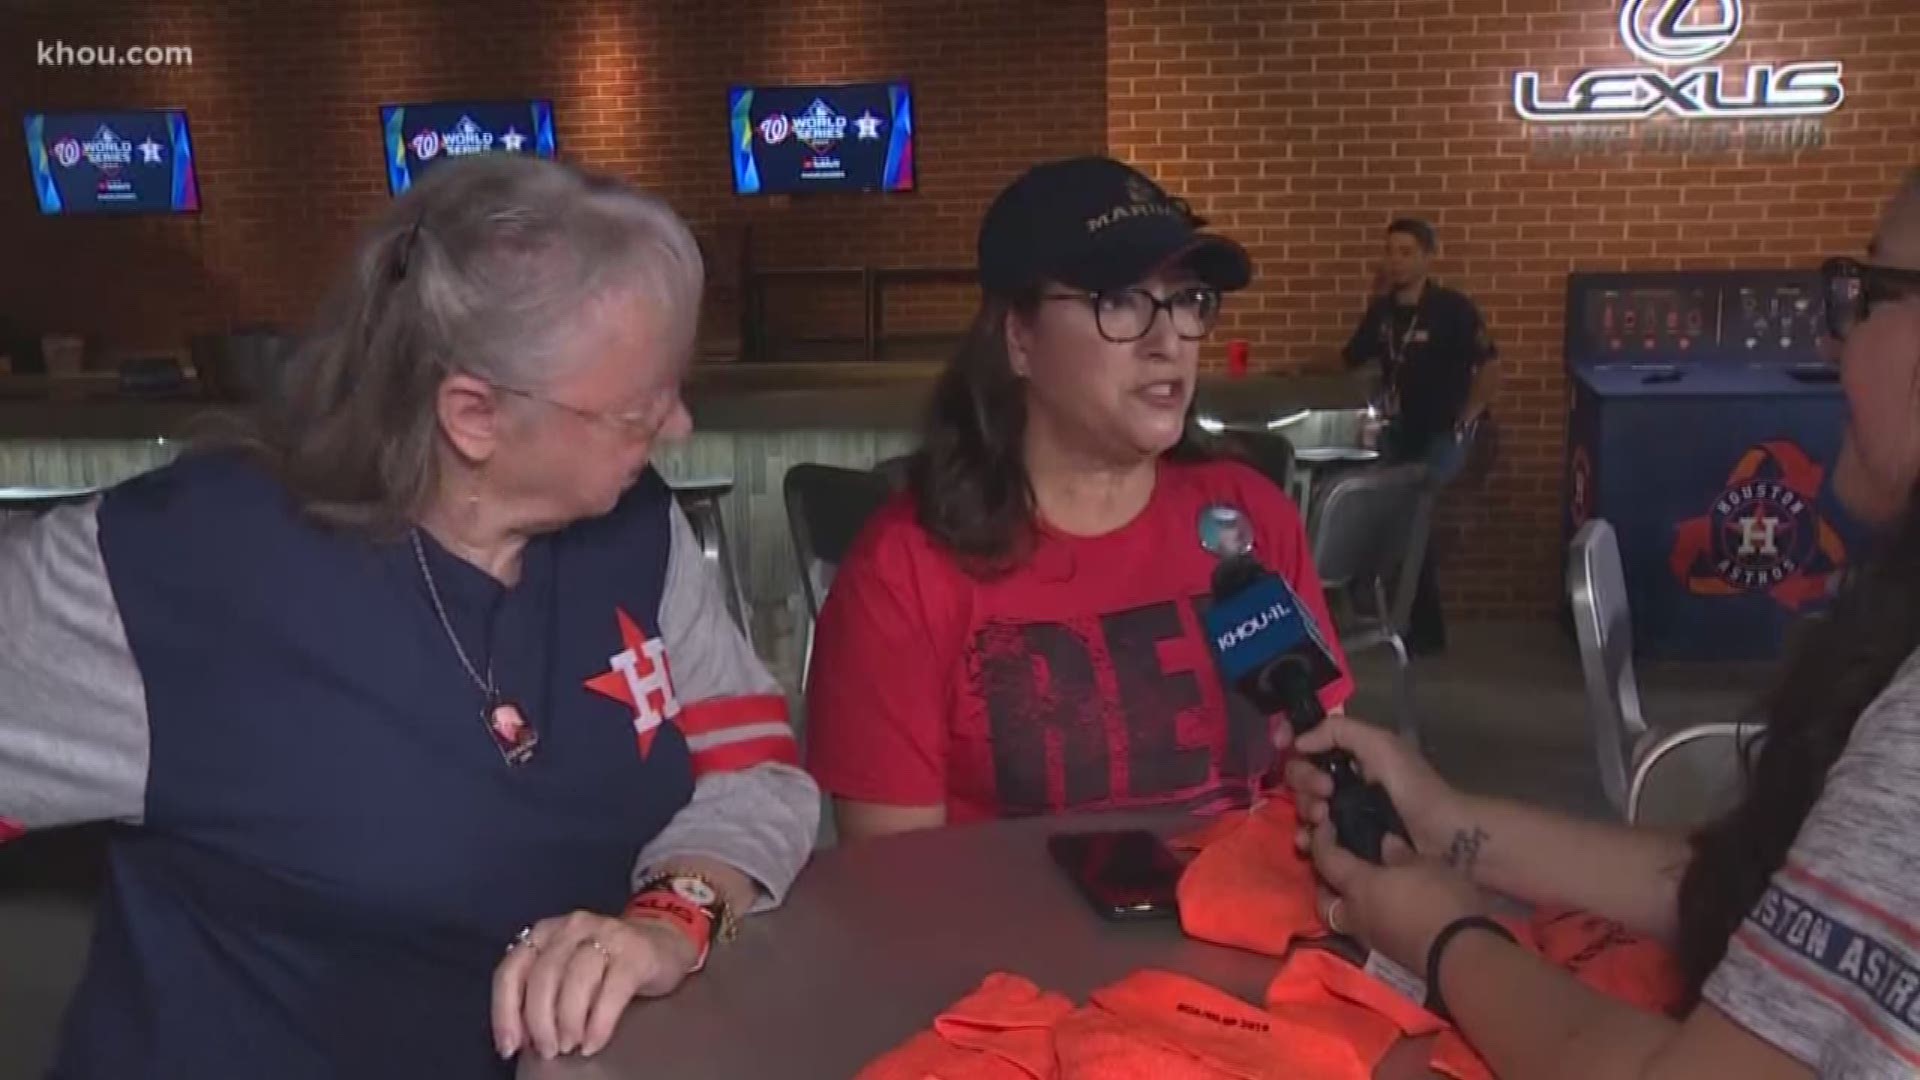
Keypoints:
pixel 1124 315
pixel 1852 287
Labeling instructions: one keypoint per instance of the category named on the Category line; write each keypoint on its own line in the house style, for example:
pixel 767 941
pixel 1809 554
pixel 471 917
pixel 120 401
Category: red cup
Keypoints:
pixel 1237 359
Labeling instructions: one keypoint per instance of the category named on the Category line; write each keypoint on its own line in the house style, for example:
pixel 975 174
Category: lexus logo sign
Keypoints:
pixel 1654 32
pixel 1666 34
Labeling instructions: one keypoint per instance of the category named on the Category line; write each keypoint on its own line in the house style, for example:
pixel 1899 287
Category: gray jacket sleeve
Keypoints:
pixel 73 719
pixel 753 808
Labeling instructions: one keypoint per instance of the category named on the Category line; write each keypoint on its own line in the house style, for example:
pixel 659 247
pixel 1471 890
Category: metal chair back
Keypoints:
pixel 1369 534
pixel 1691 776
pixel 1597 591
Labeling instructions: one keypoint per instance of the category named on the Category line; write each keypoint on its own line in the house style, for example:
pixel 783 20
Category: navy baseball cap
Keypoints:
pixel 1094 223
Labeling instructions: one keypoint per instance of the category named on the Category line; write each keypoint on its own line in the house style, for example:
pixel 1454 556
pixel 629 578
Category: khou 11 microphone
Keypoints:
pixel 1267 647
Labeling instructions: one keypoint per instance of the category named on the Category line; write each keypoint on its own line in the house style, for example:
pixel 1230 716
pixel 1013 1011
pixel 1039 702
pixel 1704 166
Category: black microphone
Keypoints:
pixel 1268 648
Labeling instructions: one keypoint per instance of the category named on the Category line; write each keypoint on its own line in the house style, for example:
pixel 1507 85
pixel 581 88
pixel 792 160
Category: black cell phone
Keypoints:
pixel 1125 874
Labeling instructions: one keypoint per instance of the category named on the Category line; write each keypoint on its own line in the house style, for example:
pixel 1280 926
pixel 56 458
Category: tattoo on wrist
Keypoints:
pixel 1463 851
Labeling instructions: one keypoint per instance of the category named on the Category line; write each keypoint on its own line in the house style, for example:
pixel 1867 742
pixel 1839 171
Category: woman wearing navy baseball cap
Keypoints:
pixel 1018 633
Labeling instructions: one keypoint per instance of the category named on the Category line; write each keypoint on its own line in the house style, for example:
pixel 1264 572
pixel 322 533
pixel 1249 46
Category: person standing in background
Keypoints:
pixel 1438 377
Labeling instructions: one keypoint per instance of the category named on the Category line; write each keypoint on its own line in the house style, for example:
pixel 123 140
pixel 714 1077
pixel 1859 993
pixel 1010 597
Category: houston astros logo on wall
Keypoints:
pixel 1762 533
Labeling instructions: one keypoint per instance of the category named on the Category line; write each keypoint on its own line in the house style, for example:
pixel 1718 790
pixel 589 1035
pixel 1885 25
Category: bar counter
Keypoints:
pixel 723 397
pixel 752 423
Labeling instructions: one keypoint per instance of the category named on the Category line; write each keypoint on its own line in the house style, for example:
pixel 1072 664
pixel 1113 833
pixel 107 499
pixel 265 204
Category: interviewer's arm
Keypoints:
pixel 1543 857
pixel 1530 1019
pixel 1629 875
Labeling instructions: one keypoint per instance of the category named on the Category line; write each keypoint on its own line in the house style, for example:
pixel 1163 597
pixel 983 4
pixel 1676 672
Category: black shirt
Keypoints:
pixel 1428 351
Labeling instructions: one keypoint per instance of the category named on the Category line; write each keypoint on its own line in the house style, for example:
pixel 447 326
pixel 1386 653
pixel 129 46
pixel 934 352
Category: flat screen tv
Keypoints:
pixel 127 161
pixel 421 136
pixel 857 137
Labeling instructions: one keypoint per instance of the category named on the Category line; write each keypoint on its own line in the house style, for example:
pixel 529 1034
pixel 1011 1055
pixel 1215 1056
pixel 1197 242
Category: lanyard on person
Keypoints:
pixel 1397 351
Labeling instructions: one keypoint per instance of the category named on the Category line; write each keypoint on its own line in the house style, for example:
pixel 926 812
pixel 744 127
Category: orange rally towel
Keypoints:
pixel 1154 1025
pixel 1322 992
pixel 1001 1031
pixel 1151 1025
pixel 1248 888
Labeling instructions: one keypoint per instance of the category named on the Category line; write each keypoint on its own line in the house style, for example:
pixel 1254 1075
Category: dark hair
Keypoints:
pixel 1836 671
pixel 1421 232
pixel 969 478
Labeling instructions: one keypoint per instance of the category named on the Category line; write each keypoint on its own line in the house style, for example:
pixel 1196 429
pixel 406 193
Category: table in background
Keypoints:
pixel 879 937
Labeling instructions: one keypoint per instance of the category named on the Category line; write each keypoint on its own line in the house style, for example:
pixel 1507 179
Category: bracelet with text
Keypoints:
pixel 700 890
pixel 689 919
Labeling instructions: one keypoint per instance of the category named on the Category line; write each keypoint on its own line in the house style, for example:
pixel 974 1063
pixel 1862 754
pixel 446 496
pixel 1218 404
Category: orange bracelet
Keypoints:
pixel 692 921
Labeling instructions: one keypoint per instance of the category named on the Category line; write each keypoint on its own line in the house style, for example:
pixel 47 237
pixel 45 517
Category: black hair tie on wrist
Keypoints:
pixel 1437 1002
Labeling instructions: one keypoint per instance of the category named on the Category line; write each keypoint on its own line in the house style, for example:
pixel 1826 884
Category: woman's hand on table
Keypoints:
pixel 564 986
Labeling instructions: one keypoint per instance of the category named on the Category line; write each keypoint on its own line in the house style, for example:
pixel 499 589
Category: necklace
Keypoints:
pixel 508 726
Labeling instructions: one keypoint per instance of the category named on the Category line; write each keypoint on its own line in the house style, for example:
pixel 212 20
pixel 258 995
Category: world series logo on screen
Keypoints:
pixel 854 137
pixel 138 160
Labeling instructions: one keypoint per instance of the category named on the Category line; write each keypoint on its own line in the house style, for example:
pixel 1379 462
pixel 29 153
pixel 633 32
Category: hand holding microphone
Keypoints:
pixel 1269 649
pixel 1432 810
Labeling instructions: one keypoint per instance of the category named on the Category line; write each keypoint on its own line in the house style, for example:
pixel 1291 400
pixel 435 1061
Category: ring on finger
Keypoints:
pixel 596 946
pixel 1333 915
pixel 524 937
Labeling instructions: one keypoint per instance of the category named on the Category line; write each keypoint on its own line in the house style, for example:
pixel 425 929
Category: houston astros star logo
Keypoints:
pixel 1762 534
pixel 639 679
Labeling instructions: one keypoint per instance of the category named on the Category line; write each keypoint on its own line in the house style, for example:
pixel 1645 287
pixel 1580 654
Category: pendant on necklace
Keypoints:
pixel 511 732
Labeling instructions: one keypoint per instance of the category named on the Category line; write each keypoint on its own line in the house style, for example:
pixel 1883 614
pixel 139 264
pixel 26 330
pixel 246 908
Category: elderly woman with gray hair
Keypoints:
pixel 431 739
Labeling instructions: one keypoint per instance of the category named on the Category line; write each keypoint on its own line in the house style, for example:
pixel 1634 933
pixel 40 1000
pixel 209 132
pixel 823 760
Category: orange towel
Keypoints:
pixel 1001 1031
pixel 1322 992
pixel 1325 1017
pixel 1154 1025
pixel 1248 888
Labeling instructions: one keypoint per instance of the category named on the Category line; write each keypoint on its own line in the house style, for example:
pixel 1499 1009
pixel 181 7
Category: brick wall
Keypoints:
pixel 284 102
pixel 1303 127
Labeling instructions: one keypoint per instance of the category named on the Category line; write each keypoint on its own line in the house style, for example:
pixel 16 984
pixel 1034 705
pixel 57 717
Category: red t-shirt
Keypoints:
pixel 1080 681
